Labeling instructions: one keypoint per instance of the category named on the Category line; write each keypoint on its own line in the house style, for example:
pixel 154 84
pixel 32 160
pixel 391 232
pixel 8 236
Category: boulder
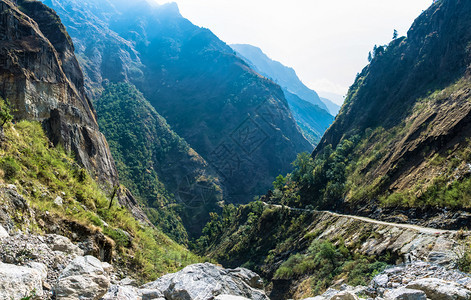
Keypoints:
pixel 17 282
pixel 63 244
pixel 405 294
pixel 3 232
pixel 119 292
pixel 83 278
pixel 381 280
pixel 204 282
pixel 40 267
pixel 230 297
pixel 437 289
pixel 345 296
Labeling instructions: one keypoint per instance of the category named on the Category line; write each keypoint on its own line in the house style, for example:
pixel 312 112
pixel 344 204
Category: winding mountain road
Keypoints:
pixel 425 230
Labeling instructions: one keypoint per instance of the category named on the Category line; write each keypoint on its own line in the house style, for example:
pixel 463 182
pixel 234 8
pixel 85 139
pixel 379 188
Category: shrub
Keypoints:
pixel 10 168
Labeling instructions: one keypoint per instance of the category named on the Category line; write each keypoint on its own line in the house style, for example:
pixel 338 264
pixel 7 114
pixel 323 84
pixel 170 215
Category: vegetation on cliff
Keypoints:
pixel 42 173
pixel 157 165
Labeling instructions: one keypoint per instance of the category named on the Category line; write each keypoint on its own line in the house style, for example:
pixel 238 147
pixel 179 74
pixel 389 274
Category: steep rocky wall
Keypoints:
pixel 41 78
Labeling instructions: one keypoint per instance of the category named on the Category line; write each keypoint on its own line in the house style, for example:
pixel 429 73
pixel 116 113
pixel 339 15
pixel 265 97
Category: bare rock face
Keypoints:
pixel 41 77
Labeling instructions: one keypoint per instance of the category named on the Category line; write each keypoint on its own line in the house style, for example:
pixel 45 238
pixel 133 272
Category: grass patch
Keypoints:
pixel 42 172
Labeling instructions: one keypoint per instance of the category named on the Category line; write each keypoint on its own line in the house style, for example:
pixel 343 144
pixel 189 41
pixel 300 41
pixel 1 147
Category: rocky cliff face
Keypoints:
pixel 41 78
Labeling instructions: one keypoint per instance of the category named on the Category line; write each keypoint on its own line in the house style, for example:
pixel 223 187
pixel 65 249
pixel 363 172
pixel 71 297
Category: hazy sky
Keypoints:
pixel 325 41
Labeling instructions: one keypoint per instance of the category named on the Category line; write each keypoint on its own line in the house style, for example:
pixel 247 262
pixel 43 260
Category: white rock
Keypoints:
pixel 405 294
pixel 345 296
pixel 108 268
pixel 118 292
pixel 83 278
pixel 3 232
pixel 17 282
pixel 381 280
pixel 40 267
pixel 230 297
pixel 443 258
pixel 437 289
pixel 59 201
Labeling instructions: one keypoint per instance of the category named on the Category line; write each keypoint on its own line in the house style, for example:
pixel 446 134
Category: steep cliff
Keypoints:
pixel 41 78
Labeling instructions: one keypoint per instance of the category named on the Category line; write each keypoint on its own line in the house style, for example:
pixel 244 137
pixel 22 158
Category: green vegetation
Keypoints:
pixel 42 173
pixel 259 237
pixel 323 263
pixel 153 161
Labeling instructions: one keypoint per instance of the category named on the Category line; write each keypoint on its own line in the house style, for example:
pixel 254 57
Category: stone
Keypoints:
pixel 381 280
pixel 40 267
pixel 3 232
pixel 230 297
pixel 405 294
pixel 63 244
pixel 108 268
pixel 345 296
pixel 83 278
pixel 17 282
pixel 148 294
pixel 203 282
pixel 59 201
pixel 119 292
pixel 442 258
pixel 437 289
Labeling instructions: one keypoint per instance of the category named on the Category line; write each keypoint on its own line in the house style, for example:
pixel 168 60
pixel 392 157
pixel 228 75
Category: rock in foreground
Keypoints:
pixel 83 278
pixel 204 282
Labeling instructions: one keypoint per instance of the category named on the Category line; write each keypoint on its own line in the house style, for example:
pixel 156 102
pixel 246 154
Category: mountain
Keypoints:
pixel 59 191
pixel 284 76
pixel 238 121
pixel 311 119
pixel 408 111
pixel 398 152
pixel 154 162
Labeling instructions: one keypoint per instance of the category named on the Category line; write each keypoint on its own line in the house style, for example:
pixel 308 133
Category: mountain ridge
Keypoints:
pixel 207 94
pixel 286 77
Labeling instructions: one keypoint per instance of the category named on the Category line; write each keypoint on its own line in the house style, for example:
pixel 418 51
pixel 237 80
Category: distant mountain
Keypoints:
pixel 286 77
pixel 332 107
pixel 310 113
pixel 312 120
pixel 236 120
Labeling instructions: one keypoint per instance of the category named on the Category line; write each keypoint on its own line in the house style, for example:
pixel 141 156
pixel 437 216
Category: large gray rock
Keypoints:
pixel 405 294
pixel 230 297
pixel 83 278
pixel 17 282
pixel 204 282
pixel 345 296
pixel 118 292
pixel 437 289
pixel 63 244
